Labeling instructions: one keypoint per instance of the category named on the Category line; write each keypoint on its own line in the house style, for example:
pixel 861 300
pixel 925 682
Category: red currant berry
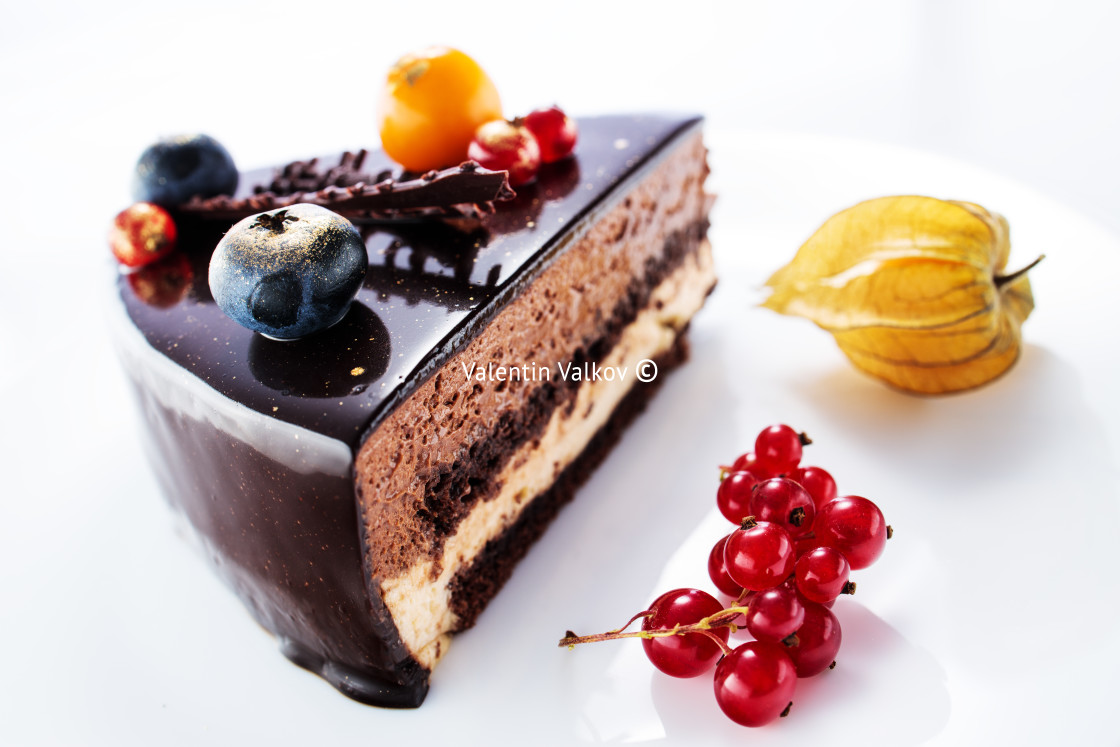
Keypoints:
pixel 778 448
pixel 501 146
pixel 783 502
pixel 754 684
pixel 691 654
pixel 734 495
pixel 759 555
pixel 717 570
pixel 822 574
pixel 775 613
pixel 818 641
pixel 855 526
pixel 555 132
pixel 142 233
pixel 802 545
pixel 818 482
pixel 805 601
pixel 749 463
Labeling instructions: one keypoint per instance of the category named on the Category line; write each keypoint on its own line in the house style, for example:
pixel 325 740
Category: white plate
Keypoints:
pixel 991 618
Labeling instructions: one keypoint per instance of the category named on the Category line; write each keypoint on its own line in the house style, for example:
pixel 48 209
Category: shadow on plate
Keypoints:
pixel 884 691
pixel 1036 411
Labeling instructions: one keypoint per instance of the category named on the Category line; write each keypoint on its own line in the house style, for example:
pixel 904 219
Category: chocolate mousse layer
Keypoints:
pixel 262 445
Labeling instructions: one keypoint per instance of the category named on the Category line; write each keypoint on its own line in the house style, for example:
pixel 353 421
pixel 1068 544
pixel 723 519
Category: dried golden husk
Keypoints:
pixel 911 289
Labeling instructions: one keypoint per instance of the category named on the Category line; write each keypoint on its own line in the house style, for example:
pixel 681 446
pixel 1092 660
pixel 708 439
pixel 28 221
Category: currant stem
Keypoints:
pixel 721 619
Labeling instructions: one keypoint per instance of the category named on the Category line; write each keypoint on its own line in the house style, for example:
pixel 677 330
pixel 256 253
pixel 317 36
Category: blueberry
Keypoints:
pixel 172 171
pixel 288 272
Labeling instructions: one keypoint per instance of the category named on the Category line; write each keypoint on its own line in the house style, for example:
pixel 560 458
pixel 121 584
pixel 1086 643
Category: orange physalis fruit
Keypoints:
pixel 431 105
pixel 913 290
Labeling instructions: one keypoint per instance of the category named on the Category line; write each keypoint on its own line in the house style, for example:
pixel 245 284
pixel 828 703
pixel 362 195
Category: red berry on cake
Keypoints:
pixel 141 234
pixel 502 146
pixel 554 130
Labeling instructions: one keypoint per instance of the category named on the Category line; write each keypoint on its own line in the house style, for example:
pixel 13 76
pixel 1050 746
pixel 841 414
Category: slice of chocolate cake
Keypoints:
pixel 368 489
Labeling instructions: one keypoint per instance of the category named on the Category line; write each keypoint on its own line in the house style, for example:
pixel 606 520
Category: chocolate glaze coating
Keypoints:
pixel 432 288
pixel 267 429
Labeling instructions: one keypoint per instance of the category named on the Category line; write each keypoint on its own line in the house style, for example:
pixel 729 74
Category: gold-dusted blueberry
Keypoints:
pixel 289 272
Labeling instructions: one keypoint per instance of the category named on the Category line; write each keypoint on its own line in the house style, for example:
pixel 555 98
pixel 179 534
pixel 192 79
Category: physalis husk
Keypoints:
pixel 912 290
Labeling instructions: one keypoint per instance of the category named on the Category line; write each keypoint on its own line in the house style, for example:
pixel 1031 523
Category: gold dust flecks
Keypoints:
pixel 530 224
pixel 275 408
pixel 357 371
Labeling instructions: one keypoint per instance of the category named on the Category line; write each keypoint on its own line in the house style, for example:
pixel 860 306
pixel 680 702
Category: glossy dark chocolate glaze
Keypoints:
pixel 429 289
pixel 284 536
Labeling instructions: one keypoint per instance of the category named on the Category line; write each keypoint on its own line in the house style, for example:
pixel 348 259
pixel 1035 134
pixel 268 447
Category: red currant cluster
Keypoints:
pixel 784 566
pixel 520 146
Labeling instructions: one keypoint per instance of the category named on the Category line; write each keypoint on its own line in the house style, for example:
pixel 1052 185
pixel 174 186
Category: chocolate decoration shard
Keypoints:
pixel 463 191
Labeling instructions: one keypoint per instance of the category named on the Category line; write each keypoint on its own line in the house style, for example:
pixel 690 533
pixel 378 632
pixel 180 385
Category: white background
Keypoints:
pixel 806 104
pixel 1026 89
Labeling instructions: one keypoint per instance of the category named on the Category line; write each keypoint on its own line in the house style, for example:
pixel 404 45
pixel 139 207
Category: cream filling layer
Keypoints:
pixel 419 603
